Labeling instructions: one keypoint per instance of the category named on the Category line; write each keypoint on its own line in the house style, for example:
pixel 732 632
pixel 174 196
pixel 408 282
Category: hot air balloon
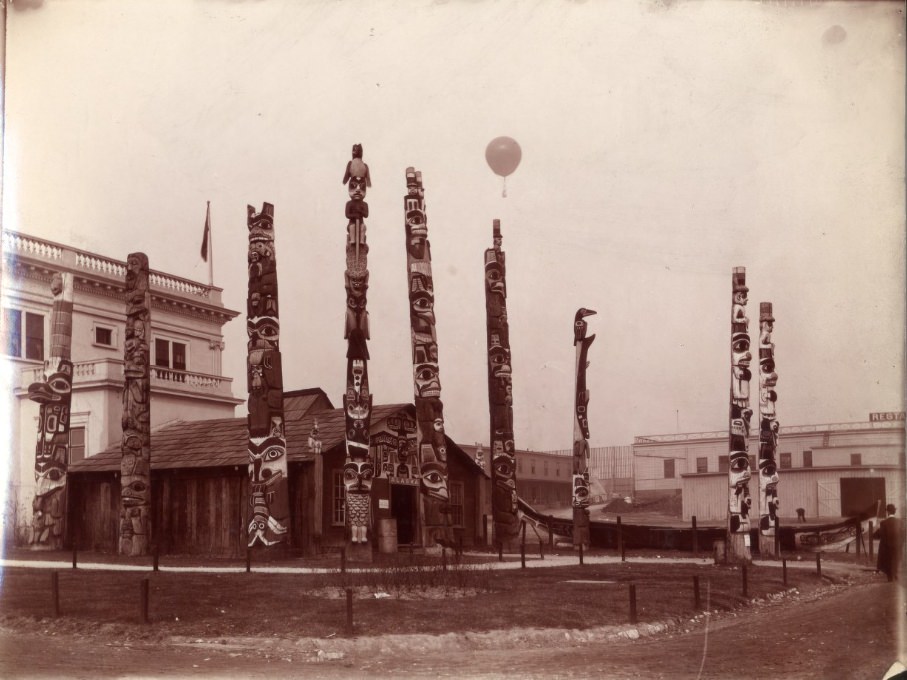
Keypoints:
pixel 503 155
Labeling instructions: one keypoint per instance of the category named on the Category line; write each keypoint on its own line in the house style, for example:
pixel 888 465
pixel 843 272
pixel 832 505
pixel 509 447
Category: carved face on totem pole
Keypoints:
pixel 581 490
pixel 266 455
pixel 504 489
pixel 422 303
pixel 739 469
pixel 494 275
pixel 357 476
pixel 53 429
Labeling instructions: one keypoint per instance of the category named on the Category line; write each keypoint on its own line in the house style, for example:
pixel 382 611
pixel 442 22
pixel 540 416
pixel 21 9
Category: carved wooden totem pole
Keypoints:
pixel 581 432
pixel 358 469
pixel 500 395
pixel 432 449
pixel 768 435
pixel 268 512
pixel 738 540
pixel 135 465
pixel 53 396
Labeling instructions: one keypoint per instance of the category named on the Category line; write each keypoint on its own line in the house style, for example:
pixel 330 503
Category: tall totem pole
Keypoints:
pixel 427 383
pixel 358 468
pixel 500 395
pixel 768 435
pixel 268 511
pixel 740 416
pixel 53 396
pixel 581 432
pixel 135 464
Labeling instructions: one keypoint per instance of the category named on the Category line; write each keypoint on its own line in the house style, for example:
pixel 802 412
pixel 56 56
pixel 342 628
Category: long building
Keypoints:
pixel 827 471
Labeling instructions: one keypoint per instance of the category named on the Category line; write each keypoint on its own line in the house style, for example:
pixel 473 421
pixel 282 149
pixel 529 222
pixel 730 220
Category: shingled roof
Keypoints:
pixel 224 441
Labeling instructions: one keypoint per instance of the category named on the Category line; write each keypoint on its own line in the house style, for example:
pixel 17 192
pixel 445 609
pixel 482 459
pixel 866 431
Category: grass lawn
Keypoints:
pixel 420 599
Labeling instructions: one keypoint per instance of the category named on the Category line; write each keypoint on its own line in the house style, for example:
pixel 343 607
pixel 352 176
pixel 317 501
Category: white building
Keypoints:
pixel 829 471
pixel 187 319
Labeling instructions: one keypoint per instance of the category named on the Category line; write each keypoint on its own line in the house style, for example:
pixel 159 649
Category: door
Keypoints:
pixel 829 499
pixel 403 509
pixel 860 495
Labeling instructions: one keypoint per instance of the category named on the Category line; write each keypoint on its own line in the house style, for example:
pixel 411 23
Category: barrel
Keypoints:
pixel 387 535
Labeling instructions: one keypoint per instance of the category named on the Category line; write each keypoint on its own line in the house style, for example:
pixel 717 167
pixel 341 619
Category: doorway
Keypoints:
pixel 862 495
pixel 404 510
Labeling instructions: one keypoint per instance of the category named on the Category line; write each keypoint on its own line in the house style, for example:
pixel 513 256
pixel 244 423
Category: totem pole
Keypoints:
pixel 768 435
pixel 432 449
pixel 268 512
pixel 740 416
pixel 500 395
pixel 581 432
pixel 53 396
pixel 135 464
pixel 358 468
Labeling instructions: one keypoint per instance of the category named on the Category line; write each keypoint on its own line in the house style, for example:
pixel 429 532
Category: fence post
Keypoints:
pixel 444 559
pixel 156 557
pixel 784 571
pixel 551 531
pixel 500 551
pixel 695 538
pixel 248 559
pixel 55 592
pixel 632 603
pixel 75 557
pixel 819 564
pixel 697 602
pixel 349 611
pixel 620 541
pixel 859 537
pixel 144 599
pixel 580 554
pixel 871 546
pixel 541 549
pixel 343 560
pixel 743 574
pixel 484 529
pixel 777 535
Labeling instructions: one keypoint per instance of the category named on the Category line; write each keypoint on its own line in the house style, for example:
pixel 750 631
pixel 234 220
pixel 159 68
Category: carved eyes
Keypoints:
pixel 741 344
pixel 504 468
pixel 433 478
pixel 423 304
pixel 740 464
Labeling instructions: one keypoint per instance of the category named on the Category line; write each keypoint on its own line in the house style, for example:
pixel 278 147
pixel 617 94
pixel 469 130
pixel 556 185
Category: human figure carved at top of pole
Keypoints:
pixel 505 510
pixel 432 446
pixel 740 412
pixel 768 424
pixel 581 431
pixel 268 510
pixel 135 464
pixel 359 466
pixel 53 395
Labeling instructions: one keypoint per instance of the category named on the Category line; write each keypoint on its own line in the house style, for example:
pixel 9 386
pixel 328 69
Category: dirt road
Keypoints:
pixel 854 633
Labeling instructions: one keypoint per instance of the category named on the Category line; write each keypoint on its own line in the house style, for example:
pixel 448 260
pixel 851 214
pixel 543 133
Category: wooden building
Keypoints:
pixel 200 484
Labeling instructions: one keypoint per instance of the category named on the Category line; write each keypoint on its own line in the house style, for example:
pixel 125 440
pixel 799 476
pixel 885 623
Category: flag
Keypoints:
pixel 207 233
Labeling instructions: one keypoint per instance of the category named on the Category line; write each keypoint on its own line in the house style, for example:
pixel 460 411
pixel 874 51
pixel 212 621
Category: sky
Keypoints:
pixel 663 144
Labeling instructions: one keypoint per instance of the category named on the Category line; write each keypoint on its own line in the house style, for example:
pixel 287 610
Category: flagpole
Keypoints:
pixel 210 246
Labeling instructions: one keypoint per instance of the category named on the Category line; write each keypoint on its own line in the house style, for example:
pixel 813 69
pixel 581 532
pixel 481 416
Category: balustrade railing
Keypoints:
pixel 16 243
pixel 112 369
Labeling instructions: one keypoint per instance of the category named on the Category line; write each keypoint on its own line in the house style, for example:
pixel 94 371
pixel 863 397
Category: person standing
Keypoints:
pixel 890 544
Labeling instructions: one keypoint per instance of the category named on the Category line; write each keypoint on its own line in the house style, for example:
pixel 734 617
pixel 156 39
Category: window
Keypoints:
pixel 669 468
pixel 785 461
pixel 76 444
pixel 519 465
pixel 702 464
pixel 170 354
pixel 23 334
pixel 807 459
pixel 557 470
pixel 546 468
pixel 456 503
pixel 532 464
pixel 102 335
pixel 338 499
pixel 856 458
pixel 722 463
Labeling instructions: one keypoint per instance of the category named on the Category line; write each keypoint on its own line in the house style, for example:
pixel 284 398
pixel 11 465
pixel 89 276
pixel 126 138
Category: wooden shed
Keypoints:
pixel 199 478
